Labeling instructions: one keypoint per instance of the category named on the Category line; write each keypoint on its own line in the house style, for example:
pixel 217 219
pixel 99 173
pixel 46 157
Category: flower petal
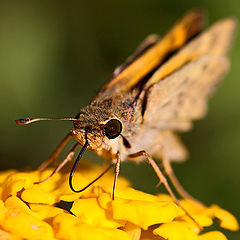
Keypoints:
pixel 43 211
pixel 133 194
pixel 7 236
pixel 38 195
pixel 16 203
pixel 89 211
pixel 86 232
pixel 26 226
pixel 175 231
pixel 64 226
pixel 192 207
pixel 69 228
pixel 16 182
pixel 144 213
pixel 5 174
pixel 133 231
pixel 2 210
pixel 227 220
pixel 214 235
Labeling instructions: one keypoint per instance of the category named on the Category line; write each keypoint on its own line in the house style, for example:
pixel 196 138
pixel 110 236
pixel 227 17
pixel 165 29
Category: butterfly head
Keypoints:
pixel 98 126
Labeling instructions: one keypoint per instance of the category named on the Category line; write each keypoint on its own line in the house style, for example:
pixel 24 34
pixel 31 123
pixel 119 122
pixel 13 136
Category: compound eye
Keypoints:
pixel 113 128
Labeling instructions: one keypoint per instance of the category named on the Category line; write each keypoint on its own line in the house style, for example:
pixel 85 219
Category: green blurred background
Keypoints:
pixel 54 55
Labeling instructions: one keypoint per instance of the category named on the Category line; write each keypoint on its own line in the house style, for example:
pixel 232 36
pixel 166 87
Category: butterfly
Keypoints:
pixel 156 93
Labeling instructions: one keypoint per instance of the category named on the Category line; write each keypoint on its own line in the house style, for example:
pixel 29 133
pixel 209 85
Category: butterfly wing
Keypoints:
pixel 178 91
pixel 182 97
pixel 128 75
pixel 176 99
pixel 173 103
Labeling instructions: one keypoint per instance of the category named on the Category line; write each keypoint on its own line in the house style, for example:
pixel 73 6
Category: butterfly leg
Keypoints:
pixel 62 164
pixel 55 154
pixel 116 170
pixel 168 168
pixel 164 181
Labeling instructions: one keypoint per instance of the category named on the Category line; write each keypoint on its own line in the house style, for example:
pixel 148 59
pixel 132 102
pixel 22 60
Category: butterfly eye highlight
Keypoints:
pixel 113 128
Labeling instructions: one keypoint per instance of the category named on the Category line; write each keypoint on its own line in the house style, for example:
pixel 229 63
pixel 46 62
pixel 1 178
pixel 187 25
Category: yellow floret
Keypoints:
pixel 35 211
pixel 37 195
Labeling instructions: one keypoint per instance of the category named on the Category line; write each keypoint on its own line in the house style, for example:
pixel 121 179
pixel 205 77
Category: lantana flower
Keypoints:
pixel 52 211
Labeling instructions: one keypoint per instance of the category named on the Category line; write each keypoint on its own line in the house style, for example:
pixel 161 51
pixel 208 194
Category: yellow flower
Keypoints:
pixel 52 211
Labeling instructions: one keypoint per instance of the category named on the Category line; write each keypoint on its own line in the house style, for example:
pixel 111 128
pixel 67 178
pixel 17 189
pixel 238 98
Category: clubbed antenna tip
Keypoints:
pixel 23 121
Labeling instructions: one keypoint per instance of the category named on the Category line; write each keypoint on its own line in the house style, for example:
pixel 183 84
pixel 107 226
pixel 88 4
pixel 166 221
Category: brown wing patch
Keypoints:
pixel 182 97
pixel 186 28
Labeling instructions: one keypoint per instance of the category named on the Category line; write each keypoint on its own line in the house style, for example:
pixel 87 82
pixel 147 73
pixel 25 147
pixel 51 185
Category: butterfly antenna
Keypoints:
pixel 25 121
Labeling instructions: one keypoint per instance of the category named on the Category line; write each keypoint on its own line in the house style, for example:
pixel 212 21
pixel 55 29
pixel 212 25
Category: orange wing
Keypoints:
pixel 128 76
